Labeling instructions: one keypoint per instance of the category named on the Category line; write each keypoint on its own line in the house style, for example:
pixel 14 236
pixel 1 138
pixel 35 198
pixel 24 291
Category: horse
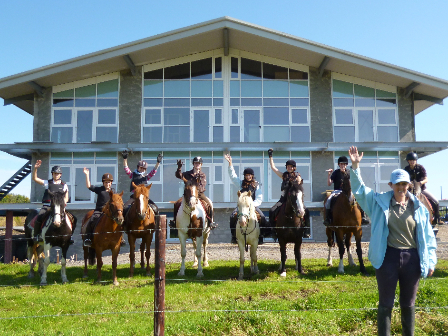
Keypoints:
pixel 191 222
pixel 106 236
pixel 140 223
pixel 57 231
pixel 415 188
pixel 290 225
pixel 346 222
pixel 247 231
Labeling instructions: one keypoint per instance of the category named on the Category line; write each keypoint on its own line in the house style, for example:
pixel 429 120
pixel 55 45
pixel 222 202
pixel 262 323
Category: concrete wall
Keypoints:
pixel 42 116
pixel 130 122
pixel 406 117
pixel 320 106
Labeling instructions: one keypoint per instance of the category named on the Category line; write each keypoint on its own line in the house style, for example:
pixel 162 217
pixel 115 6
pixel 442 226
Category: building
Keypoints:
pixel 218 86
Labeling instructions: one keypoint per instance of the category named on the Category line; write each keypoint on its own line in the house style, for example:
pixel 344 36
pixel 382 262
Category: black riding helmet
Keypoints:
pixel 248 171
pixel 342 159
pixel 197 159
pixel 290 163
pixel 411 156
pixel 56 169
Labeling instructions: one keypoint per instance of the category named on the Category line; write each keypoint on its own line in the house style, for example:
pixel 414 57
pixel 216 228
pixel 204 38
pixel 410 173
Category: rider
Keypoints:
pixel 103 197
pixel 418 173
pixel 289 174
pixel 248 184
pixel 337 177
pixel 196 174
pixel 138 176
pixel 53 185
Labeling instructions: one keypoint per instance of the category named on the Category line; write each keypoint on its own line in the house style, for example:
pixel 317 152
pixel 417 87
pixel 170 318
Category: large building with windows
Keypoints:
pixel 216 87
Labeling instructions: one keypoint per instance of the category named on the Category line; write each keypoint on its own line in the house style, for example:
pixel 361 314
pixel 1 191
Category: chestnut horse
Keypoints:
pixel 191 222
pixel 346 222
pixel 140 223
pixel 57 231
pixel 290 224
pixel 247 231
pixel 106 236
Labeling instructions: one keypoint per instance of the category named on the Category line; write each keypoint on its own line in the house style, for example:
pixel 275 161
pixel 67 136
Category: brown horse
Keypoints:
pixel 106 236
pixel 140 223
pixel 346 222
pixel 290 225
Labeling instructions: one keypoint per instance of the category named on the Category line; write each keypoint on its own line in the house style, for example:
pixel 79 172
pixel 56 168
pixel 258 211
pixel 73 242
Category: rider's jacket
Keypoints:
pixel 137 177
pixel 102 198
pixel 417 174
pixel 191 176
pixel 337 177
pixel 254 187
pixel 287 177
pixel 53 187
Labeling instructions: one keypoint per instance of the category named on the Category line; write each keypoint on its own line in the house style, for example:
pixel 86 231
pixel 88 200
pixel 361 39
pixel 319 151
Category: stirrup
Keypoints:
pixel 172 224
pixel 365 221
pixel 212 225
pixel 87 243
pixel 123 242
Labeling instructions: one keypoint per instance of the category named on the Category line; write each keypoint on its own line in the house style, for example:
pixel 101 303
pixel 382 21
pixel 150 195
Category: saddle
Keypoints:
pixel 44 220
pixel 207 209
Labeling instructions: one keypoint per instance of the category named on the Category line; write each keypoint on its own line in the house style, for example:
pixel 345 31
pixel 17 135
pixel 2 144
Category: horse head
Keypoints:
pixel 114 207
pixel 58 206
pixel 346 185
pixel 295 198
pixel 191 194
pixel 245 207
pixel 415 188
pixel 141 195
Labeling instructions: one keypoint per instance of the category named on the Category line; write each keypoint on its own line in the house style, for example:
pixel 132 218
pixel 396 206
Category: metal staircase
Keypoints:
pixel 9 185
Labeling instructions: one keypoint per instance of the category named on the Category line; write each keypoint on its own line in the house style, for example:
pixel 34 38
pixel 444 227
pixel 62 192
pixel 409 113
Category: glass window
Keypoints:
pixel 344 133
pixel 176 134
pixel 201 88
pixel 387 133
pixel 108 89
pixel 88 91
pixel 234 88
pixel 155 74
pixel 298 88
pixel 275 88
pixel 344 116
pixel 251 102
pixel 181 71
pixel 276 133
pixel 218 67
pixel 251 88
pixel 218 134
pixel 234 67
pixel 250 69
pixel 62 117
pixel 275 102
pixel 234 116
pixel 299 116
pixel 342 89
pixel 386 102
pixel 107 116
pixel 153 88
pixel 201 126
pixel 153 117
pixel 218 116
pixel 106 134
pixel 296 74
pixel 177 102
pixel 152 134
pixel 234 134
pixel 218 89
pixel 177 116
pixel 385 94
pixel 343 102
pixel 64 94
pixel 365 125
pixel 84 129
pixel 62 134
pixel 155 102
pixel 251 125
pixel 271 71
pixel 386 117
pixel 300 134
pixel 362 102
pixel 81 192
pixel 177 88
pixel 201 69
pixel 276 116
pixel 364 92
pixel 63 102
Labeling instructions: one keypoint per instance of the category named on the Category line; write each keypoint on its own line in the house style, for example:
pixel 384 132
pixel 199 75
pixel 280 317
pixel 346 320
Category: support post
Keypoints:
pixel 159 281
pixel 8 237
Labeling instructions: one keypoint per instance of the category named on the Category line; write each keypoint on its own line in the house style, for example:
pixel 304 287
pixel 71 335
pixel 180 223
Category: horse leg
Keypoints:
pixel 86 257
pixel 148 252
pixel 32 261
pixel 283 259
pixel 348 243
pixel 131 238
pixel 298 255
pixel 43 279
pixel 330 242
pixel 183 251
pixel 340 242
pixel 204 244
pixel 195 258
pixel 99 263
pixel 199 241
pixel 64 264
pixel 142 250
pixel 114 264
pixel 253 257
pixel 358 236
pixel 241 247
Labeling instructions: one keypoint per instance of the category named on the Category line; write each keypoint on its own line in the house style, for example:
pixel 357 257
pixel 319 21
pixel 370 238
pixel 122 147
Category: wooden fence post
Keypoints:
pixel 8 237
pixel 159 281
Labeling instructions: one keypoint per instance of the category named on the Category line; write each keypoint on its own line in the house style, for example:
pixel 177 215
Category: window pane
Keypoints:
pixel 218 90
pixel 177 88
pixel 150 102
pixel 202 88
pixel 218 173
pixel 62 117
pixel 63 102
pixel 364 102
pixel 385 172
pixel 251 126
pixel 107 102
pixel 218 193
pixel 365 125
pixel 276 133
pixel 250 69
pixel 106 116
pixel 88 91
pixel 234 102
pixel 218 116
pixel 342 89
pixel 176 116
pixel 81 192
pixel 177 101
pixel 234 134
pixel 364 92
pixel 181 71
pixel 234 88
pixel 66 174
pixel 218 134
pixel 155 74
pixel 271 71
pixel 300 134
pixel 62 134
pixel 299 101
pixel 108 89
pixel 172 187
pixel 386 102
pixel 176 134
pixel 106 134
pixel 218 102
pixel 84 126
pixel 385 94
pixel 275 101
pixel 251 102
pixel 201 101
pixel 152 134
pixel 85 102
pixel 299 116
pixel 368 176
pixel 153 88
pixel 273 88
pixel 343 102
pixel 250 88
pixel 344 133
pixel 64 94
pixel 298 88
pixel 276 116
pixel 275 187
pixel 344 116
pixel 386 117
pixel 218 67
pixel 201 126
pixel 234 67
pixel 202 69
pixel 234 116
pixel 296 74
pixel 153 117
pixel 304 172
pixel 387 133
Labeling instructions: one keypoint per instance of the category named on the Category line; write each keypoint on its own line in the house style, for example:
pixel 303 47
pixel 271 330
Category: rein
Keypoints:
pixel 115 219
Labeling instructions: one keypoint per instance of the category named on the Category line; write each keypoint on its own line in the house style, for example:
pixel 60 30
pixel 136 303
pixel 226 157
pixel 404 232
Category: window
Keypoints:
pixel 85 114
pixel 363 114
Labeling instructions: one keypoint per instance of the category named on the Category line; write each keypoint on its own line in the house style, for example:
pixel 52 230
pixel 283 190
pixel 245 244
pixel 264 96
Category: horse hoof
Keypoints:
pixel 283 274
pixel 85 276
pixel 148 274
pixel 43 283
pixel 116 283
pixel 199 275
pixel 65 281
pixel 206 264
pixel 181 273
pixel 329 265
pixel 195 265
pixel 240 277
pixel 30 275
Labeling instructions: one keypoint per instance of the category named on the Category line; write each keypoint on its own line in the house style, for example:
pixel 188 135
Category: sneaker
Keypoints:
pixel 213 225
pixel 172 224
pixel 365 221
pixel 87 243
pixel 306 234
pixel 123 242
pixel 71 241
pixel 233 241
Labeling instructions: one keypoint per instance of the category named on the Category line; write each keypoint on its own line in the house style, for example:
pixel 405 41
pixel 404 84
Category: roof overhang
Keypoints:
pixel 27 149
pixel 223 33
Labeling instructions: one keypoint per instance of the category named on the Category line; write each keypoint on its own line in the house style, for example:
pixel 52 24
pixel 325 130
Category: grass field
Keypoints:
pixel 322 302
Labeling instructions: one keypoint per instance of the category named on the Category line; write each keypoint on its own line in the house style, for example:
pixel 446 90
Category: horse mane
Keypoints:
pixel 346 185
pixel 58 197
pixel 248 201
pixel 114 197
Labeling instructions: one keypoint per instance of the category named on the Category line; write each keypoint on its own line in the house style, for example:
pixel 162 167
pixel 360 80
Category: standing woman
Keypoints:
pixel 402 244
pixel 248 184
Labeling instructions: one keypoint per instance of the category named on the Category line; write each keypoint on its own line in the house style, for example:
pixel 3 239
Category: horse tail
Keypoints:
pixel 92 256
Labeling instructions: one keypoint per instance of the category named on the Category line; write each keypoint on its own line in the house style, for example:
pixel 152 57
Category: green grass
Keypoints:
pixel 322 302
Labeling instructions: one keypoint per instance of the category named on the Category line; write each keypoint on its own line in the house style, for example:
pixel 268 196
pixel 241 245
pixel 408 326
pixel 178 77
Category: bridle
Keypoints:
pixel 111 207
pixel 245 233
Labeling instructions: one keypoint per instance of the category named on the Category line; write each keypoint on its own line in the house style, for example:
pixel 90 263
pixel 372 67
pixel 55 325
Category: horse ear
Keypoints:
pixel 133 185
pixel 121 194
pixel 149 187
pixel 249 193
pixel 239 193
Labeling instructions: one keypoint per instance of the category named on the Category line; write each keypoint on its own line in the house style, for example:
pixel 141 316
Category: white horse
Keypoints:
pixel 247 231
pixel 191 222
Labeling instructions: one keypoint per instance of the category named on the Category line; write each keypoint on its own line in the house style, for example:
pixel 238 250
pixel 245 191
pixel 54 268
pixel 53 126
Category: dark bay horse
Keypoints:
pixel 290 224
pixel 346 222
pixel 140 223
pixel 57 230
pixel 106 236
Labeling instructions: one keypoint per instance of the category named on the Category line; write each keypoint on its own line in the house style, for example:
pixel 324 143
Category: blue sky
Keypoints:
pixel 404 33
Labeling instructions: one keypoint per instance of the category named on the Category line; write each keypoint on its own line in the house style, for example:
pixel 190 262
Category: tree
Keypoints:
pixel 14 198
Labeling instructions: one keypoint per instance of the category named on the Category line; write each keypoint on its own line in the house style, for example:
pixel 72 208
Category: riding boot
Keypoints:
pixel 37 231
pixel 260 240
pixel 383 320
pixel 306 230
pixel 327 217
pixel 408 320
pixel 232 224
pixel 365 220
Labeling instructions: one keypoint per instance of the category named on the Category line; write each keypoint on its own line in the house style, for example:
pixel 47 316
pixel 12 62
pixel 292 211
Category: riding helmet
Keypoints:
pixel 342 159
pixel 142 164
pixel 290 163
pixel 56 169
pixel 412 156
pixel 197 159
pixel 107 177
pixel 248 171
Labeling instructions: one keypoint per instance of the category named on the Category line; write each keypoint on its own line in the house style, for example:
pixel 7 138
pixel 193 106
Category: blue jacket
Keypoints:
pixel 376 205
